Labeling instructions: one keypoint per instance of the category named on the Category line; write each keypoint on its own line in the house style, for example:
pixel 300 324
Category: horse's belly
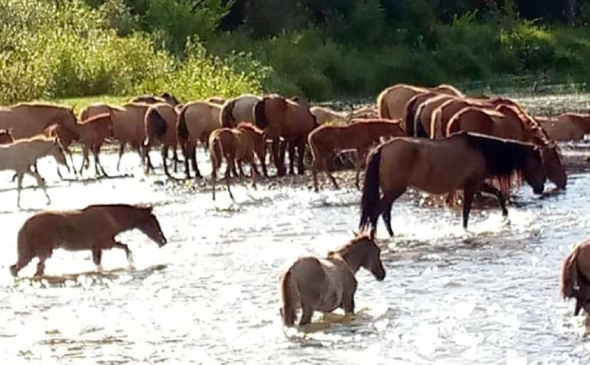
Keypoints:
pixel 330 301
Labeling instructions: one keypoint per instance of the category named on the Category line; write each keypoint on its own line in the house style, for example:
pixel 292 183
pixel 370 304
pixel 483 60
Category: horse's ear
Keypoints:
pixel 354 233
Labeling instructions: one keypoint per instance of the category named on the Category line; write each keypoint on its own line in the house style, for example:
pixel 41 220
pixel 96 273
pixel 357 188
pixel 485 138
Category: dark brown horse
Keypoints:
pixel 288 119
pixel 327 140
pixel 462 161
pixel 325 284
pixel 93 228
pixel 160 126
pixel 575 277
pixel 93 133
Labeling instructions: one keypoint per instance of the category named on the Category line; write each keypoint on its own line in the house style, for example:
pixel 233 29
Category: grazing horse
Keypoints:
pixel 239 109
pixel 324 115
pixel 93 228
pixel 327 140
pixel 93 133
pixel 461 161
pixel 235 145
pixel 30 119
pixel 575 277
pixel 160 125
pixel 326 284
pixel 289 119
pixel 392 101
pixel 196 121
pixel 22 154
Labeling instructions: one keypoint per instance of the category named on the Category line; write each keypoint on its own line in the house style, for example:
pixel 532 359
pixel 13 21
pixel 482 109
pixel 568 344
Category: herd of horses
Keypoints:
pixel 434 139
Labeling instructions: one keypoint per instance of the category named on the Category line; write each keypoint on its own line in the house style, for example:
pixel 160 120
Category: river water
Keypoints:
pixel 486 296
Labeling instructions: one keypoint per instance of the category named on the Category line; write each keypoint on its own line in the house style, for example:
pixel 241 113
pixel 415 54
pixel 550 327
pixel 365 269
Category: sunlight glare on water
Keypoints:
pixel 489 295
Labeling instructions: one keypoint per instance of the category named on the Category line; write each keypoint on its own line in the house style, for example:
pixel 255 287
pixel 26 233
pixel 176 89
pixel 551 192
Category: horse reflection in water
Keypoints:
pixel 92 228
pixel 325 284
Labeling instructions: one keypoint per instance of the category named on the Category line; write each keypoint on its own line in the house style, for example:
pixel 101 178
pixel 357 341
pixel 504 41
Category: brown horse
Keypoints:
pixel 327 140
pixel 288 119
pixel 160 125
pixel 393 100
pixel 29 119
pixel 324 115
pixel 152 99
pixel 22 154
pixel 128 126
pixel 325 284
pixel 414 127
pixel 432 166
pixel 567 127
pixel 235 145
pixel 6 136
pixel 93 228
pixel 515 123
pixel 575 277
pixel 195 123
pixel 239 109
pixel 93 133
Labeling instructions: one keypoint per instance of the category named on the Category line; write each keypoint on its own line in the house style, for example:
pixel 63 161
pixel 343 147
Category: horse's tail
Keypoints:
pixel 260 114
pixel 411 114
pixel 226 117
pixel 155 123
pixel 569 274
pixel 288 310
pixel 383 108
pixel 216 151
pixel 181 128
pixel 371 195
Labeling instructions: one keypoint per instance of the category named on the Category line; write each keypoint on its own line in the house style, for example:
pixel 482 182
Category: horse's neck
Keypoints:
pixel 350 260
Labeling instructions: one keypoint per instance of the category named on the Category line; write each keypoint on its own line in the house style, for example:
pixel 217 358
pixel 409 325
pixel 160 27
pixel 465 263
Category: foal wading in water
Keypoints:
pixel 92 228
pixel 325 284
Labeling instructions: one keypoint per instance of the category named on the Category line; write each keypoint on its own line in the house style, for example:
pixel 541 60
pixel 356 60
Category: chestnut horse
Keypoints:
pixel 30 119
pixel 325 284
pixel 93 133
pixel 567 127
pixel 392 101
pixel 160 125
pixel 23 153
pixel 461 161
pixel 289 119
pixel 196 121
pixel 239 109
pixel 93 228
pixel 327 140
pixel 235 145
pixel 575 277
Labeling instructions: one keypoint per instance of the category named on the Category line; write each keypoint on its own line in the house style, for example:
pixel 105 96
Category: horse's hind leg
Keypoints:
pixel 121 151
pixel 385 208
pixel 40 183
pixel 486 188
pixel 19 186
pixel 468 193
pixel 306 314
pixel 291 148
pixel 300 156
pixel 41 265
pixel 98 164
pixel 164 152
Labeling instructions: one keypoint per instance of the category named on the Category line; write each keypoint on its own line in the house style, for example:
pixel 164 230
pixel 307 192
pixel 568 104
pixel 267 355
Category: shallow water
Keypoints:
pixel 486 296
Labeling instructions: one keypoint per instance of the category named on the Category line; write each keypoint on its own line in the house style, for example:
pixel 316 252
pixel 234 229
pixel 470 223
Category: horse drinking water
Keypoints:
pixel 461 161
pixel 325 284
pixel 92 228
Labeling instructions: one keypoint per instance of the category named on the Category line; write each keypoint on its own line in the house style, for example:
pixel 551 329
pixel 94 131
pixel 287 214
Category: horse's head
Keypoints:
pixel 533 170
pixel 369 254
pixel 150 226
pixel 553 167
pixel 68 120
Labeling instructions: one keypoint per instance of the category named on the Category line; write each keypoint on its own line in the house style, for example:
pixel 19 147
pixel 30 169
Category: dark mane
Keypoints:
pixel 502 156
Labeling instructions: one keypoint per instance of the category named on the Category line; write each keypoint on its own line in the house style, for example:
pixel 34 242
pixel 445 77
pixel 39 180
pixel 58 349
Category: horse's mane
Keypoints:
pixel 358 237
pixel 502 156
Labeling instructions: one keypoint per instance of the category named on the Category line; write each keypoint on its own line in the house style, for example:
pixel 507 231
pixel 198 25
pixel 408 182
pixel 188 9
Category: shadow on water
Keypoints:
pixel 89 278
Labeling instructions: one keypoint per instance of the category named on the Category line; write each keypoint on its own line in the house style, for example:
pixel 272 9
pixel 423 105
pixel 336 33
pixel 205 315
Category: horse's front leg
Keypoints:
pixel 290 145
pixel 128 252
pixel 301 155
pixel 19 186
pixel 164 152
pixel 97 162
pixel 97 258
pixel 40 183
pixel 121 151
pixel 41 265
pixel 348 304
